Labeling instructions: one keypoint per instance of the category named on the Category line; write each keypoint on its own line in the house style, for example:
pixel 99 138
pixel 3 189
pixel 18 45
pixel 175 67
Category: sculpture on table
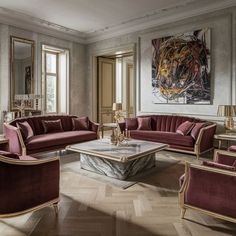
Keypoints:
pixel 118 137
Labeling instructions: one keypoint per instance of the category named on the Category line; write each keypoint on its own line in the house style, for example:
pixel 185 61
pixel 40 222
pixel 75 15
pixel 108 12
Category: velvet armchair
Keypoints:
pixel 27 184
pixel 210 188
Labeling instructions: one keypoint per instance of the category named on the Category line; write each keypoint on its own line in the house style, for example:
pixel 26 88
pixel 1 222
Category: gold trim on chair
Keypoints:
pixel 52 202
pixel 183 188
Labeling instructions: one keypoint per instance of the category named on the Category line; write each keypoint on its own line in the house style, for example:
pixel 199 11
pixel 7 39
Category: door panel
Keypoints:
pixel 130 90
pixel 106 80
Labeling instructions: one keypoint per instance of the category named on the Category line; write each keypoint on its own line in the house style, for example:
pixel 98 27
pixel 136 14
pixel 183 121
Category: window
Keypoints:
pixel 55 73
pixel 51 79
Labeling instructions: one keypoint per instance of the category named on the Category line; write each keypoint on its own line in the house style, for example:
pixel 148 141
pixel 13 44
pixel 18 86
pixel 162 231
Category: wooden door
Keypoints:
pixel 106 85
pixel 130 90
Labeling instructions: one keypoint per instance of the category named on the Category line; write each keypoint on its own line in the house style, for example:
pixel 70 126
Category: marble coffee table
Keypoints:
pixel 118 162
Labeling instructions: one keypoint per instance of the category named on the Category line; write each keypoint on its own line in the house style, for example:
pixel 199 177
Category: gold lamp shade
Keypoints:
pixel 228 111
pixel 117 106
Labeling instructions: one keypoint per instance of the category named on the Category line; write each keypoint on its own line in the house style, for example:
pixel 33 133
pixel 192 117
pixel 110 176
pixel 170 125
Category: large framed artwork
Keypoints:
pixel 181 68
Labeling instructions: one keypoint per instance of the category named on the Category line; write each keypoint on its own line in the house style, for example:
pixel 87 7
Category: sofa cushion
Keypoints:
pixel 9 154
pixel 144 123
pixel 163 137
pixel 232 148
pixel 196 129
pixel 218 165
pixel 52 126
pixel 80 123
pixel 131 123
pixel 25 129
pixel 185 128
pixel 56 139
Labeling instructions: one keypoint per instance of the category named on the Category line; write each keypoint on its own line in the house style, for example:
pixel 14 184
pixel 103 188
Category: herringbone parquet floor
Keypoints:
pixel 93 208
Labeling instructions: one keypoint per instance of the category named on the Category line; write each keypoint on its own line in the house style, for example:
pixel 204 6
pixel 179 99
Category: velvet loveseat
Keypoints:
pixel 197 139
pixel 45 133
pixel 210 188
pixel 27 184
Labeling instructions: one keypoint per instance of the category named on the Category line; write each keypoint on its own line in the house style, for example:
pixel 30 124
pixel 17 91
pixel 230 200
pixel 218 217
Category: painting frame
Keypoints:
pixel 181 68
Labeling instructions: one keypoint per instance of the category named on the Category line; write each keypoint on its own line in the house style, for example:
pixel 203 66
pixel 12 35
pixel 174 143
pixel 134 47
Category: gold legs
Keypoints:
pixel 183 211
pixel 55 205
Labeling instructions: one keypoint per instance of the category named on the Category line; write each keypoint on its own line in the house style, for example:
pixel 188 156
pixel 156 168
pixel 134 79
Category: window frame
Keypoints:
pixel 51 74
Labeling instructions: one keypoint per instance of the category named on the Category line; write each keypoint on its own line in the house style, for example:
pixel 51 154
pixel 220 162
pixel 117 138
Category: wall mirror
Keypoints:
pixel 22 73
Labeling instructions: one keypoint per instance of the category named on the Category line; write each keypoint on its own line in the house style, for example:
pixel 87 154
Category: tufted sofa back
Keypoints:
pixel 169 123
pixel 36 122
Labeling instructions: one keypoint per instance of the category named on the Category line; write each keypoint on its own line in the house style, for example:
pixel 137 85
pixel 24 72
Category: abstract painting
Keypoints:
pixel 181 68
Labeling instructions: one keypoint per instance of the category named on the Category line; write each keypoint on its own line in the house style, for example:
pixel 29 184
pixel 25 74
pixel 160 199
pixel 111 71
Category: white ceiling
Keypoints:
pixel 90 17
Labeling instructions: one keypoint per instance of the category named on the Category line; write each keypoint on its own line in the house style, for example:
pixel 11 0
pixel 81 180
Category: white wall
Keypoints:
pixel 223 62
pixel 78 103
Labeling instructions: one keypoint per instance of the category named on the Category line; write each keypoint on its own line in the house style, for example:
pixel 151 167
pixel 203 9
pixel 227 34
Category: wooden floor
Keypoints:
pixel 92 208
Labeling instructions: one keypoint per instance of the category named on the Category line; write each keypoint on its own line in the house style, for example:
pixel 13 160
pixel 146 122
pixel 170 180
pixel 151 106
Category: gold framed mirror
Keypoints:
pixel 22 73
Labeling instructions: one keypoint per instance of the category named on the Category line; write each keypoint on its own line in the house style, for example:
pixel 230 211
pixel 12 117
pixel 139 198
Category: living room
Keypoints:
pixel 109 109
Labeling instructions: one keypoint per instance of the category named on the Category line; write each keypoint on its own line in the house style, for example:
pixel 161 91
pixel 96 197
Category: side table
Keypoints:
pixel 225 137
pixel 3 143
pixel 109 126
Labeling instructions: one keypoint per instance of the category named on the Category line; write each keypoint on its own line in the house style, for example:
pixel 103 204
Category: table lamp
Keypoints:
pixel 228 111
pixel 117 107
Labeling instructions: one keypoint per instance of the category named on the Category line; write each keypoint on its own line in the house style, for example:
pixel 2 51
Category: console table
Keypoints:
pixel 225 137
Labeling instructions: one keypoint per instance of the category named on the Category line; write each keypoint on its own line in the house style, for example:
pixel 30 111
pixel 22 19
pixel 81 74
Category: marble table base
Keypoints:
pixel 114 169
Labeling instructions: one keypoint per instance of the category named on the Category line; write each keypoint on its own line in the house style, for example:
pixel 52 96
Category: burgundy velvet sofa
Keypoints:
pixel 210 188
pixel 27 184
pixel 163 129
pixel 41 141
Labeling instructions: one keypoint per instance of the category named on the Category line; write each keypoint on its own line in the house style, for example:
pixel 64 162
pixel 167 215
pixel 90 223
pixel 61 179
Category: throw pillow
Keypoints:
pixel 131 123
pixel 80 123
pixel 25 129
pixel 218 165
pixel 185 128
pixel 144 123
pixel 52 126
pixel 9 154
pixel 196 129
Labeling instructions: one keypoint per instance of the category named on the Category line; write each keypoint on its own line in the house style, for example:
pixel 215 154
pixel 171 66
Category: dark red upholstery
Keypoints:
pixel 211 186
pixel 211 191
pixel 164 129
pixel 27 184
pixel 163 137
pixel 232 148
pixel 225 159
pixel 56 139
pixel 45 142
pixel 37 126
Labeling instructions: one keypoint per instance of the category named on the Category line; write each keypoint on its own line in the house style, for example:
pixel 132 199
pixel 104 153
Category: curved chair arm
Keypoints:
pixel 210 191
pixel 224 157
pixel 27 185
pixel 94 127
pixel 205 139
pixel 15 140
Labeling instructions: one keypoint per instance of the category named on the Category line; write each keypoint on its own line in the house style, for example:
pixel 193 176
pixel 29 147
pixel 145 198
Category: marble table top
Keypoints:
pixel 126 152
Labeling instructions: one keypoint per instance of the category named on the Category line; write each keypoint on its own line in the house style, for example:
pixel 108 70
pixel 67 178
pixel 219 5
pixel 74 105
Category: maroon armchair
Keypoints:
pixel 27 184
pixel 210 187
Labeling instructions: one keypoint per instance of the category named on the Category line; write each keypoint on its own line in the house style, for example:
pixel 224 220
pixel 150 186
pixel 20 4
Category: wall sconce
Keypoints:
pixel 228 111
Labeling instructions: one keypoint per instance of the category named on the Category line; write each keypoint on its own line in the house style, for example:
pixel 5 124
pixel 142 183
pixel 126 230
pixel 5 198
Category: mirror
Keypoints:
pixel 22 73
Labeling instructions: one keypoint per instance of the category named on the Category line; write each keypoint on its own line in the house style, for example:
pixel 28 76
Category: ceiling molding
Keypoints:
pixel 156 20
pixel 34 24
pixel 153 19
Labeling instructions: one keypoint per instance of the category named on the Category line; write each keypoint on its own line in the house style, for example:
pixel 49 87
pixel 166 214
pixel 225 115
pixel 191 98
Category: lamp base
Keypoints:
pixel 229 124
